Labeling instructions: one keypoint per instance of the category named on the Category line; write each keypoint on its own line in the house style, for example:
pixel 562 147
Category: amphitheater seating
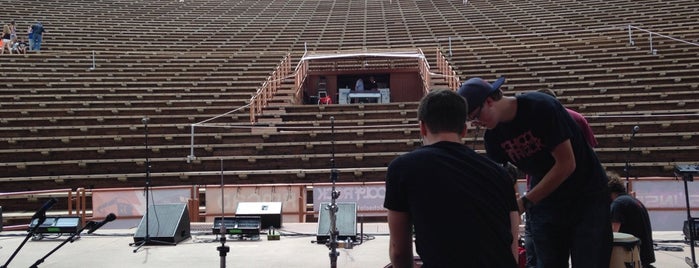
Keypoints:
pixel 65 124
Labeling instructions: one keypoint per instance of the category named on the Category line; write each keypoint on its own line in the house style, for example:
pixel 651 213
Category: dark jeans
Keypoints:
pixel 579 229
pixel 529 243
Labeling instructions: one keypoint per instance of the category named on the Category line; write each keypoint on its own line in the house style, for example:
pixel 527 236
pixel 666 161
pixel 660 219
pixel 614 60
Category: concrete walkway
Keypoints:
pixel 110 248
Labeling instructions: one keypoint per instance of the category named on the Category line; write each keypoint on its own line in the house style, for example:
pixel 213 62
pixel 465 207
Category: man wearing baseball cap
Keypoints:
pixel 568 204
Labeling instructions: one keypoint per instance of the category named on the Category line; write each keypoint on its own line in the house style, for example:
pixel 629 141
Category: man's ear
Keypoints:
pixel 423 129
pixel 488 101
pixel 464 131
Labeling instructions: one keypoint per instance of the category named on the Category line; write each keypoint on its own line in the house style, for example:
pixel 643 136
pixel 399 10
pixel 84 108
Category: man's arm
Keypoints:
pixel 400 247
pixel 616 226
pixel 514 227
pixel 562 168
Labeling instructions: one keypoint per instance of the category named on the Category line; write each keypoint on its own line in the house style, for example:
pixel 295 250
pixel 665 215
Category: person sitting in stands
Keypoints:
pixel 20 46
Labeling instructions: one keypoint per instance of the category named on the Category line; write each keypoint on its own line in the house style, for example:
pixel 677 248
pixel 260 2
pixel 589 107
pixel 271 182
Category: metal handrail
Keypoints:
pixel 650 38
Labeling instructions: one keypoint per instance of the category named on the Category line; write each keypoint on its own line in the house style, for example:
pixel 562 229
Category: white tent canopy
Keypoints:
pixel 383 54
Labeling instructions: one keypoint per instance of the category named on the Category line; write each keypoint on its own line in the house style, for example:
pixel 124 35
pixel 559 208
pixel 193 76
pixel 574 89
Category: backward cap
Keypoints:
pixel 476 90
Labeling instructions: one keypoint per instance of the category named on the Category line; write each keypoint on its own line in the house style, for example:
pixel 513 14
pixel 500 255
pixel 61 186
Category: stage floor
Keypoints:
pixel 110 248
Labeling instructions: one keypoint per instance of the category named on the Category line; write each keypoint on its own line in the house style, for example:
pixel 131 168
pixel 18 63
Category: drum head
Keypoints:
pixel 625 239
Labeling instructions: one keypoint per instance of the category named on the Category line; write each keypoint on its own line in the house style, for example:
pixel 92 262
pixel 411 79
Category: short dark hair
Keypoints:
pixel 547 92
pixel 443 110
pixel 615 184
pixel 496 96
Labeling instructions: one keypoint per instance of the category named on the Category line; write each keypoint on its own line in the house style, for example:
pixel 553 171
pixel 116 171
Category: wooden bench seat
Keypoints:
pixel 47 144
pixel 84 160
pixel 200 177
pixel 368 114
pixel 649 124
pixel 646 138
pixel 159 67
pixel 135 126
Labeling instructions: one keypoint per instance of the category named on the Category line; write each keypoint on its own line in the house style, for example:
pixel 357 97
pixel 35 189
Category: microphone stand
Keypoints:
pixel 30 233
pixel 69 239
pixel 147 239
pixel 475 137
pixel 223 249
pixel 690 223
pixel 332 207
pixel 627 166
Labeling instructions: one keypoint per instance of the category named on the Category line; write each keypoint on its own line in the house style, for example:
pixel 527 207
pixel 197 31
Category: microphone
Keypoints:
pixel 41 213
pixel 635 129
pixel 97 225
pixel 145 120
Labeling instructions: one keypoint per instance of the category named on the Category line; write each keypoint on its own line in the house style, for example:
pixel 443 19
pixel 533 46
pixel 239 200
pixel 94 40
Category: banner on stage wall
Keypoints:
pixel 665 194
pixel 666 201
pixel 131 202
pixel 369 198
pixel 292 198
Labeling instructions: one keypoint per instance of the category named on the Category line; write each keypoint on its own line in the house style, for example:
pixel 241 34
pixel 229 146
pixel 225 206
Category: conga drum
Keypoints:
pixel 626 251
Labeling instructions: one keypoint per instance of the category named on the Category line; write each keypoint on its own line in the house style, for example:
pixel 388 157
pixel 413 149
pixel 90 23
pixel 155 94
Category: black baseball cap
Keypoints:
pixel 476 90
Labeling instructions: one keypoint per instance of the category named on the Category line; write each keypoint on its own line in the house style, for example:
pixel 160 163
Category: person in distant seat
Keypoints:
pixel 13 31
pixel 30 37
pixel 359 87
pixel 20 46
pixel 6 39
pixel 372 85
pixel 37 34
pixel 630 216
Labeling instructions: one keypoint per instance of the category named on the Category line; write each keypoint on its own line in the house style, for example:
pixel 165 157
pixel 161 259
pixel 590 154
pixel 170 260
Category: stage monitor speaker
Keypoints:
pixel 270 213
pixel 346 222
pixel 686 229
pixel 166 223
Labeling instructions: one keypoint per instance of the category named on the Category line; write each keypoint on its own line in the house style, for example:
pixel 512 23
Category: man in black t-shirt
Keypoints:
pixel 568 203
pixel 461 204
pixel 372 84
pixel 630 216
